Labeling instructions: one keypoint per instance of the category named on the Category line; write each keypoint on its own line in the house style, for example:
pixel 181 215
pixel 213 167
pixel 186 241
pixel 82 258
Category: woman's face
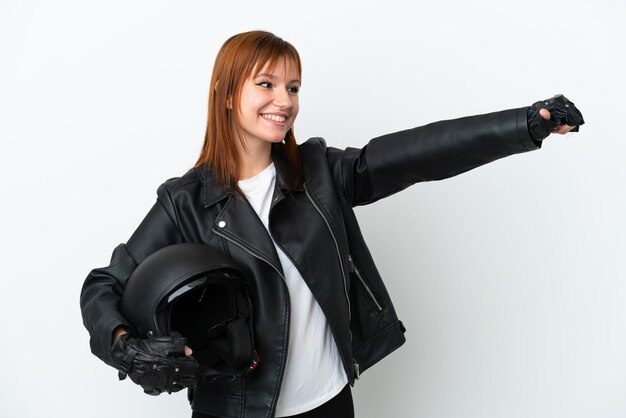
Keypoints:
pixel 269 104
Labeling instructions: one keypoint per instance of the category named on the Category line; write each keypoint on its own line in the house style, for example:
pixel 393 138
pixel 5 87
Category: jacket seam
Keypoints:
pixel 175 220
pixel 184 183
pixel 375 336
pixel 519 131
pixel 243 397
pixel 318 141
pixel 125 247
pixel 321 144
pixel 285 350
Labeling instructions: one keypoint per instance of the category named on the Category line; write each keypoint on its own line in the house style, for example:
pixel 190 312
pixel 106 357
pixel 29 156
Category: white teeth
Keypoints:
pixel 275 118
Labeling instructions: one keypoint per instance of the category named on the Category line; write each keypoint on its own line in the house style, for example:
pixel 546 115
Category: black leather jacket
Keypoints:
pixel 317 229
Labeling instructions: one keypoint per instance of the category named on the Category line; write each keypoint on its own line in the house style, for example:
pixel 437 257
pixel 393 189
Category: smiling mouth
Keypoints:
pixel 275 118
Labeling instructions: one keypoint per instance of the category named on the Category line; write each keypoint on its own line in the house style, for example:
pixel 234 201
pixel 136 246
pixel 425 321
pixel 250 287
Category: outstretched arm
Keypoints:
pixel 443 149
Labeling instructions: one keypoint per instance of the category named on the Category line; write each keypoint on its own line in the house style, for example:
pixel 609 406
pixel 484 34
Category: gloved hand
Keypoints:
pixel 157 364
pixel 562 112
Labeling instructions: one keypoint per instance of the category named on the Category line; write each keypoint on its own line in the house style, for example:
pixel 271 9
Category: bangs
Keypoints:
pixel 269 53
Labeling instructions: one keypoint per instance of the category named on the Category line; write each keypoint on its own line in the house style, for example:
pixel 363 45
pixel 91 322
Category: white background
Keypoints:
pixel 508 277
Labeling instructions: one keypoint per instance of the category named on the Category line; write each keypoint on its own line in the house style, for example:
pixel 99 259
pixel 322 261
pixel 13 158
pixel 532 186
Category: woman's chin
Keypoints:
pixel 276 140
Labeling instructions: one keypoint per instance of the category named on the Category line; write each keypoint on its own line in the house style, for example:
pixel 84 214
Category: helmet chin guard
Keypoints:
pixel 199 292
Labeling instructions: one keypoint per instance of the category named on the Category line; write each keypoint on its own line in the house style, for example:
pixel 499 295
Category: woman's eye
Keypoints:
pixel 265 84
pixel 294 89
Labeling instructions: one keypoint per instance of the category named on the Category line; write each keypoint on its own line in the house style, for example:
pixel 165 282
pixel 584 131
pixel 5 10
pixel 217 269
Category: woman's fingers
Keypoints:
pixel 561 129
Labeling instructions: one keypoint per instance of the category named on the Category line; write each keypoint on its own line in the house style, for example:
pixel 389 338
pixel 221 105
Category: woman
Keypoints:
pixel 283 213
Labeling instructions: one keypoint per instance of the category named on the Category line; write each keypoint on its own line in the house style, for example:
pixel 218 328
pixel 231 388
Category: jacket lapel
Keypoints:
pixel 237 222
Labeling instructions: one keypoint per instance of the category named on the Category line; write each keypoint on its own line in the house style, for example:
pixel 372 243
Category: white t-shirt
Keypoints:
pixel 314 373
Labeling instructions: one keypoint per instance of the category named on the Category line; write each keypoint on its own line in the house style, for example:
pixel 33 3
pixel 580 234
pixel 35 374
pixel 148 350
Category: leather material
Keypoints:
pixel 562 111
pixel 316 227
pixel 156 364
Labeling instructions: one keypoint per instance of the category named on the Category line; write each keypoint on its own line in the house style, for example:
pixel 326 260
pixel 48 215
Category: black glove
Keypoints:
pixel 562 112
pixel 157 364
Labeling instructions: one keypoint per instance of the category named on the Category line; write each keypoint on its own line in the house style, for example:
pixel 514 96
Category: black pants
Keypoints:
pixel 338 407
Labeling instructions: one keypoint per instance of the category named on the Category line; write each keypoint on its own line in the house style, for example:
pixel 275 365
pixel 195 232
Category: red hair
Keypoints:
pixel 242 56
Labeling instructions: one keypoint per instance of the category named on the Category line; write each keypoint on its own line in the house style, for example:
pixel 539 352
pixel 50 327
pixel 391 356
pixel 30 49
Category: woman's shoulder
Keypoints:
pixel 312 144
pixel 191 179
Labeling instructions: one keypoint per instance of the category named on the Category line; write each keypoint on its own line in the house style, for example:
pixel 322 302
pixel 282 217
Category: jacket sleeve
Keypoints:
pixel 436 151
pixel 102 290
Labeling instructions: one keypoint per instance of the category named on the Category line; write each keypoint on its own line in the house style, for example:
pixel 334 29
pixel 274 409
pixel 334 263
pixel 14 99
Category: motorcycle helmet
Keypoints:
pixel 199 292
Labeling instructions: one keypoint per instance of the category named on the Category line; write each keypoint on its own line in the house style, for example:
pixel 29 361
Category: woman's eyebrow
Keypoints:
pixel 266 75
pixel 273 77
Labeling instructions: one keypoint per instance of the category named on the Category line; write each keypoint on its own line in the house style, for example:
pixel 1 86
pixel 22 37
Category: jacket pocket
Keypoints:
pixel 367 290
pixel 367 312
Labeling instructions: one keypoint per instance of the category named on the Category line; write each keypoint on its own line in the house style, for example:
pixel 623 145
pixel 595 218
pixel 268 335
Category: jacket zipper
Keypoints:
pixel 343 273
pixel 355 365
pixel 331 328
pixel 260 257
pixel 367 288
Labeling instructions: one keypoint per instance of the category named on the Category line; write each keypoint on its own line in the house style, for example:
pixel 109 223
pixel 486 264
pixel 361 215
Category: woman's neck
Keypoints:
pixel 254 160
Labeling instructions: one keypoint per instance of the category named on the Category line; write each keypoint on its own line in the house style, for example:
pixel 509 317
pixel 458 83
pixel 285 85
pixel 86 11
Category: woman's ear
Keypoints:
pixel 229 101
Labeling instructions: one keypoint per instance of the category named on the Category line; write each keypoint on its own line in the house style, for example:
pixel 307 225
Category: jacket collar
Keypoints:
pixel 213 193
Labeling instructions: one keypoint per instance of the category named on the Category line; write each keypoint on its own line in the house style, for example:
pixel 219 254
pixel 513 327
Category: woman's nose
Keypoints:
pixel 282 98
